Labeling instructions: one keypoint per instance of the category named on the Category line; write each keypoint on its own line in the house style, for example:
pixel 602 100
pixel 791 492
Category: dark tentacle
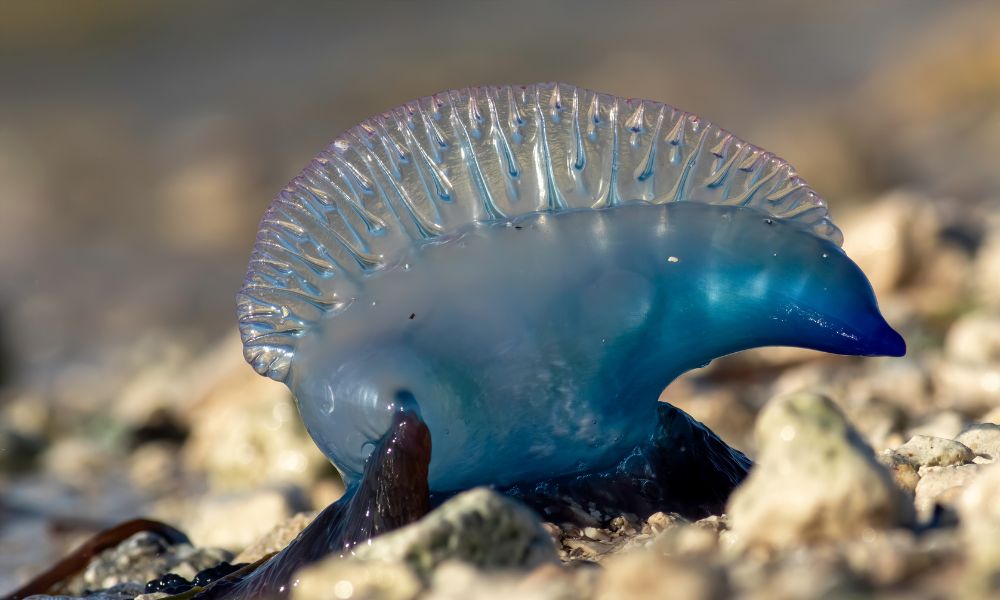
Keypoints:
pixel 684 468
pixel 392 492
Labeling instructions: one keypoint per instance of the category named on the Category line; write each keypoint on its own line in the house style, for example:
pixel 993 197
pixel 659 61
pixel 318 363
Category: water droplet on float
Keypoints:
pixel 366 450
pixel 825 255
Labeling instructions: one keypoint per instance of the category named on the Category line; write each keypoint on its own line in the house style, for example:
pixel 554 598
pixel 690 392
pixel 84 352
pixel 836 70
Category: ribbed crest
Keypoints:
pixel 436 164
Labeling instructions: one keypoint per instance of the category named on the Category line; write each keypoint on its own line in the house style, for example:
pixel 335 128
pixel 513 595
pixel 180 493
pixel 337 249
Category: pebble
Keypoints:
pixel 879 423
pixel 660 521
pixel 154 467
pixel 479 526
pixel 337 579
pixel 904 473
pixel 236 520
pixel 643 574
pixel 983 439
pixel 141 558
pixel 815 479
pixel 942 486
pixel 248 434
pixel 693 540
pixel 480 529
pixel 455 580
pixel 979 508
pixel 967 387
pixel 884 557
pixel 928 451
pixel 78 460
pixel 582 548
pixel 277 538
pixel 890 237
pixel 975 338
pixel 900 382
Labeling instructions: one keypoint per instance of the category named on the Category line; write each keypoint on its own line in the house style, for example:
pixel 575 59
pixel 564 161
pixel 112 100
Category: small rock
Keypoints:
pixel 940 285
pixel 371 580
pixel 808 573
pixel 942 485
pixel 693 540
pixel 904 472
pixel 586 549
pixel 928 451
pixel 247 434
pixel 659 521
pixel 983 439
pixel 970 388
pixel 595 534
pixel 878 422
pixel 480 527
pixel 975 338
pixel 236 520
pixel 979 509
pixel 624 525
pixel 890 237
pixel 648 574
pixel 280 536
pixel 154 467
pixel 901 382
pixel 554 531
pixel 77 459
pixel 455 580
pixel 885 557
pixel 815 479
pixel 141 558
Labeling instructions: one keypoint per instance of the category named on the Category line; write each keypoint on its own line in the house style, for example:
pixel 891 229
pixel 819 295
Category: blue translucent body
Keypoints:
pixel 527 268
pixel 541 348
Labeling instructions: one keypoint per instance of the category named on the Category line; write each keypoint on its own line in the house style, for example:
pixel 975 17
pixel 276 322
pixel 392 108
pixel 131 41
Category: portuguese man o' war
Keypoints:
pixel 523 269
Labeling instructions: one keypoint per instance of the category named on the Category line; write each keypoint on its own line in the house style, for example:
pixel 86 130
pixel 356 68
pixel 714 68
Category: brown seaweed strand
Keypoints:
pixel 78 559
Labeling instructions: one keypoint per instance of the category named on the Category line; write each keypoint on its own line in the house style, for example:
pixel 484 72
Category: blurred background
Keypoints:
pixel 141 142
